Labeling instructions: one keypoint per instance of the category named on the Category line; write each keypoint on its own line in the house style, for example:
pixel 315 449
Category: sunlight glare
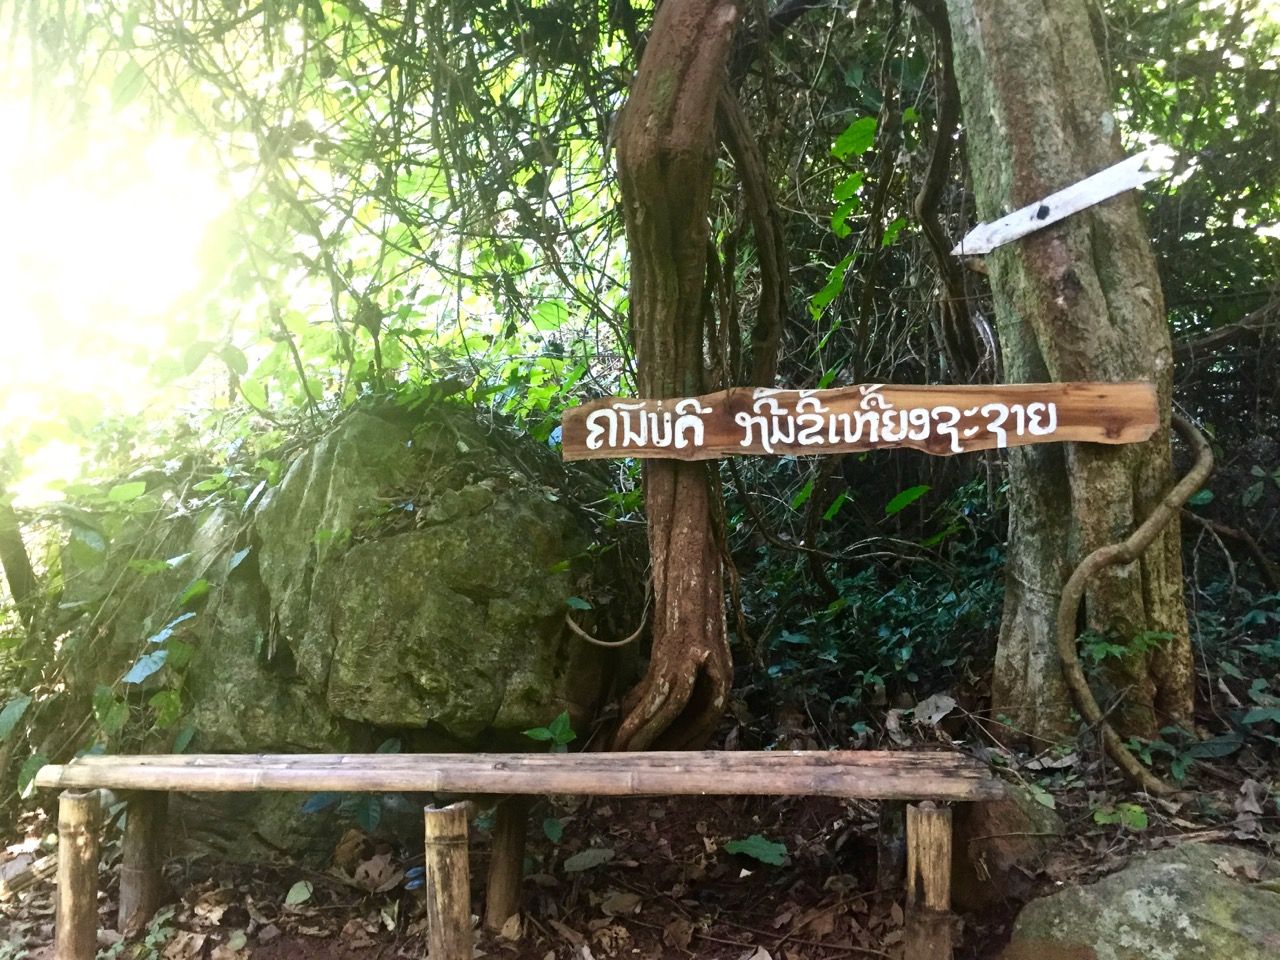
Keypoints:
pixel 103 241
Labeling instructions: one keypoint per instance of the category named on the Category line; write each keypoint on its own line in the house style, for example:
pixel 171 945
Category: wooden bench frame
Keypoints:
pixel 146 780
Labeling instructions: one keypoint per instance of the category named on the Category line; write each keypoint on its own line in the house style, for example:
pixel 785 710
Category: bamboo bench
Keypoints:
pixel 146 780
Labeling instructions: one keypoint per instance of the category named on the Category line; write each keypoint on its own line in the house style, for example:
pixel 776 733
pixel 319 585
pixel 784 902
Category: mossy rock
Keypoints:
pixel 1190 902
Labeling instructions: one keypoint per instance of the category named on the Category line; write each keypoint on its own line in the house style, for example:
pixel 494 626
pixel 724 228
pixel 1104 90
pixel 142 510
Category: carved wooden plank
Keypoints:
pixel 936 419
pixel 1117 178
pixel 868 774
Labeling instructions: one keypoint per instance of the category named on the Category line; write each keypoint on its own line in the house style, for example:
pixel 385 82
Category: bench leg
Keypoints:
pixel 506 863
pixel 76 920
pixel 929 921
pixel 142 860
pixel 448 883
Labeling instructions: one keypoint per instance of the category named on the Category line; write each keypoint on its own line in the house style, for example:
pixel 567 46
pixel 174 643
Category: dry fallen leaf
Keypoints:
pixel 621 903
pixel 511 928
pixel 378 874
pixel 573 936
pixel 678 933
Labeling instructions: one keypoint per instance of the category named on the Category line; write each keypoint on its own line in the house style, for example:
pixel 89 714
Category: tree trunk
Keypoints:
pixel 666 157
pixel 18 574
pixel 1079 300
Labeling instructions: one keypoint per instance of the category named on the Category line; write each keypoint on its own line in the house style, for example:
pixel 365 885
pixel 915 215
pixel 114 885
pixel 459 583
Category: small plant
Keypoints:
pixel 158 933
pixel 559 733
pixel 1130 816
pixel 759 848
pixel 364 808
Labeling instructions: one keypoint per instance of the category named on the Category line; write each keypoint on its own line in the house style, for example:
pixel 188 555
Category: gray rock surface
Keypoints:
pixel 406 578
pixel 1189 902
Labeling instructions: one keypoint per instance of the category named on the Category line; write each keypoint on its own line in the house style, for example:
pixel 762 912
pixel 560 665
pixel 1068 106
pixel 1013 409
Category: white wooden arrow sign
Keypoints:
pixel 1125 175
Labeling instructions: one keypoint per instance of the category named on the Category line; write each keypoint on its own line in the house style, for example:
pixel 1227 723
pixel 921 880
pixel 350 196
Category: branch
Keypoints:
pixel 1126 551
pixel 771 246
pixel 1203 348
pixel 746 47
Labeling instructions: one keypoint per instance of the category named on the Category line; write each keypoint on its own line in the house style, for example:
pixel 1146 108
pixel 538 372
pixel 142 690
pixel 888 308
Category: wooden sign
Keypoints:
pixel 1125 175
pixel 936 419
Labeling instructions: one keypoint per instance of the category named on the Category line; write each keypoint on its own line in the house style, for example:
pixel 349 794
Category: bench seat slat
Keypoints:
pixel 861 774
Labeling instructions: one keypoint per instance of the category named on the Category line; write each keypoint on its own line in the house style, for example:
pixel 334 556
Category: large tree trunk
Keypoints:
pixel 1079 300
pixel 666 157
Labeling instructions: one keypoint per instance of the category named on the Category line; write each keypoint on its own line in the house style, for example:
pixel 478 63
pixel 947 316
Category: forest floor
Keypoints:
pixel 668 888
pixel 637 878
pixel 720 878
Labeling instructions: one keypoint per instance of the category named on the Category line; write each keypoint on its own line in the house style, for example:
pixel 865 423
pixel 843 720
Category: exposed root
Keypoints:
pixel 1126 551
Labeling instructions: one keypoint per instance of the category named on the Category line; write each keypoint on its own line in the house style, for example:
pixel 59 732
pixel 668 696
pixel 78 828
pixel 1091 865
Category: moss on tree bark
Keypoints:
pixel 1079 300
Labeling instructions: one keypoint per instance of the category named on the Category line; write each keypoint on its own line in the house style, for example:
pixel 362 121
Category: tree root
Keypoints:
pixel 1126 551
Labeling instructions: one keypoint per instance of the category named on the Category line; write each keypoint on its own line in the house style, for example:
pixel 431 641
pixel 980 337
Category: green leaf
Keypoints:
pixel 840 217
pixel 27 774
pixel 124 492
pixel 235 360
pixel 577 603
pixel 550 315
pixel 1128 815
pixel 836 504
pixel 892 230
pixel 167 705
pixel 588 859
pixel 180 654
pixel 856 139
pixel 553 828
pixel 12 713
pixel 183 739
pixel 562 729
pixel 110 712
pixel 540 733
pixel 758 848
pixel 834 284
pixel 368 812
pixel 194 355
pixel 129 82
pixel 300 892
pixel 1042 796
pixel 802 495
pixel 1262 715
pixel 1222 745
pixel 389 745
pixel 905 499
pixel 145 666
pixel 1200 498
pixel 194 591
pixel 254 393
pixel 848 187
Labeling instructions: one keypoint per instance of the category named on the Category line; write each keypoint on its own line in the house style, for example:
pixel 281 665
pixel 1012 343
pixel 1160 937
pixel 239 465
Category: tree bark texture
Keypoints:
pixel 1078 300
pixel 666 158
pixel 19 576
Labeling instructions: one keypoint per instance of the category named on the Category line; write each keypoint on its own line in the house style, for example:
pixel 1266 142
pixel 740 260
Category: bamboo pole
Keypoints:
pixel 448 883
pixel 928 882
pixel 142 859
pixel 506 862
pixel 76 920
pixel 900 775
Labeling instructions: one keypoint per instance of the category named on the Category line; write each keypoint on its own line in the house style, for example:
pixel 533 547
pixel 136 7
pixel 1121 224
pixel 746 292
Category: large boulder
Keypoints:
pixel 407 578
pixel 1189 902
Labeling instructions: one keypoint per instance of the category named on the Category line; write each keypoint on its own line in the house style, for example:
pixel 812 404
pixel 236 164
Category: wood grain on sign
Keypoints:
pixel 936 419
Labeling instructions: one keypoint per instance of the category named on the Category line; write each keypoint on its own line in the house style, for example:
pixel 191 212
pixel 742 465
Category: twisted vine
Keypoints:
pixel 1126 551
